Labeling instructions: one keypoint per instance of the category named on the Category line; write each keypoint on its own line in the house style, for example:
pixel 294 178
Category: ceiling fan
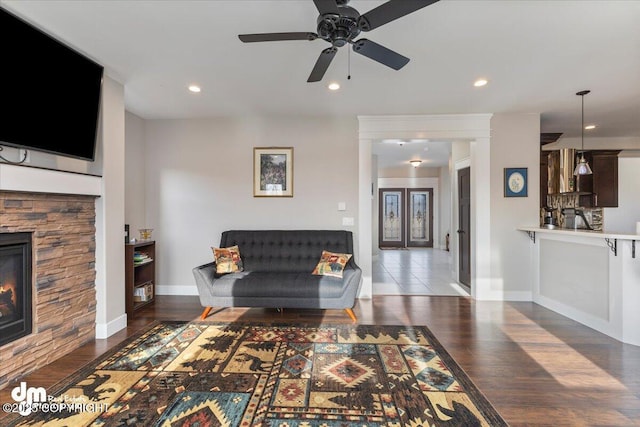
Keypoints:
pixel 339 24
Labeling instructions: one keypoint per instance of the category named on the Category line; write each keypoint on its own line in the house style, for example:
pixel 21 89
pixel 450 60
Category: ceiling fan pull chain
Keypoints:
pixel 349 64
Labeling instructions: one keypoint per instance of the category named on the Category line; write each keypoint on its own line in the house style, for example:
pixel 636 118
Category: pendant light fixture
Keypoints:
pixel 582 168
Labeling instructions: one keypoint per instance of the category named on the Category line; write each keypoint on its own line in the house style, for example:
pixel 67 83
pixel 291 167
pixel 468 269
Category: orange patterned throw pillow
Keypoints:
pixel 331 264
pixel 227 259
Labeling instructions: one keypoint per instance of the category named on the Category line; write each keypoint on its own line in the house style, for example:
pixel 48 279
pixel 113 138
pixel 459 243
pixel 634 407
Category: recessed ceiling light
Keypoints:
pixel 480 82
pixel 194 89
pixel 590 127
pixel 333 86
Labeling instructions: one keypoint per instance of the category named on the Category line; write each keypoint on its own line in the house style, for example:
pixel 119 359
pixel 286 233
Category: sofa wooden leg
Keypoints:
pixel 351 314
pixel 205 313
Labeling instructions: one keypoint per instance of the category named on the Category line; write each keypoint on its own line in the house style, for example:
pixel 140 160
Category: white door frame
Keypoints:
pixel 472 127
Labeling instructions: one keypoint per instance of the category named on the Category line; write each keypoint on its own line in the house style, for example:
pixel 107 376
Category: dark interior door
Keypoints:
pixel 464 226
pixel 420 217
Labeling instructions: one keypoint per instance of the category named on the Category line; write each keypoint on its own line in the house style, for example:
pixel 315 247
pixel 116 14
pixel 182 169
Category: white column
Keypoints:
pixel 110 310
pixel 481 218
pixel 364 208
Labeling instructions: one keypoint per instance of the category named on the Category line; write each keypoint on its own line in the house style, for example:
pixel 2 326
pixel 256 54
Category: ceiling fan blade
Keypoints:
pixel 274 37
pixel 389 11
pixel 327 6
pixel 380 53
pixel 323 62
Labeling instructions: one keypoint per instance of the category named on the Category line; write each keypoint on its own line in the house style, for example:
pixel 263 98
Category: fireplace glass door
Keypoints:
pixel 15 286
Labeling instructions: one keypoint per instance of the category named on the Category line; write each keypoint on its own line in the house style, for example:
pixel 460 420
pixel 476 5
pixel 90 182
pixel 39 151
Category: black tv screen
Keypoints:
pixel 49 93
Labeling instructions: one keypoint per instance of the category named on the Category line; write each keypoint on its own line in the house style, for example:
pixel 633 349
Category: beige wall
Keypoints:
pixel 515 142
pixel 623 218
pixel 199 176
pixel 135 209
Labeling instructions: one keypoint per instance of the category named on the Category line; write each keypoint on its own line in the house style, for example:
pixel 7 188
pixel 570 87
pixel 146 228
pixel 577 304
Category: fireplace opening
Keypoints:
pixel 15 286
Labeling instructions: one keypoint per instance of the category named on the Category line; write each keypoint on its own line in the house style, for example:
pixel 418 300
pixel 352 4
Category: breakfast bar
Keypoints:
pixel 592 277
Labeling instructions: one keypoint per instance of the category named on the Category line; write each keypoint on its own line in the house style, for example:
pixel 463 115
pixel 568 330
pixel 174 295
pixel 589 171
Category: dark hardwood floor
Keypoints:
pixel 536 367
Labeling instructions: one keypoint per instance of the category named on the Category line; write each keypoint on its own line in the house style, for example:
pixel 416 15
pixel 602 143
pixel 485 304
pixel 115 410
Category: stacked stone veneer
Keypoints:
pixel 64 294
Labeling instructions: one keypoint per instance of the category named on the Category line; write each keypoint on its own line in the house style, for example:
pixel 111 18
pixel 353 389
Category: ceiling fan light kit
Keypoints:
pixel 340 24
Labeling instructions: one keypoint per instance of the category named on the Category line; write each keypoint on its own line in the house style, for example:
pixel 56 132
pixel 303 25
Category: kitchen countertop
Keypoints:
pixel 605 234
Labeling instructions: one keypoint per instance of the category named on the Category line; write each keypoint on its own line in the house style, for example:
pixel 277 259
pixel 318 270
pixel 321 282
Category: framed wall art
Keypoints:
pixel 515 182
pixel 273 172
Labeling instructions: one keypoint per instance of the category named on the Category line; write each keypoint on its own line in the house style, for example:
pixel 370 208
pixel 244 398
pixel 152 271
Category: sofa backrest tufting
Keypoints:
pixel 286 250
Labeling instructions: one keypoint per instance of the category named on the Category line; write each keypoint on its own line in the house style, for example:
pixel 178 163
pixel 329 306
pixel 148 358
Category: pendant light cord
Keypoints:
pixel 582 93
pixel 583 166
pixel 582 127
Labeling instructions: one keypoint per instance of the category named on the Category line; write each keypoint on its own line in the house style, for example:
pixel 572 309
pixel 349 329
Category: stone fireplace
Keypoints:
pixel 62 231
pixel 15 286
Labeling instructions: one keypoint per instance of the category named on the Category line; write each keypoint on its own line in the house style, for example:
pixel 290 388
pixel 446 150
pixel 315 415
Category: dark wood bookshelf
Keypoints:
pixel 139 275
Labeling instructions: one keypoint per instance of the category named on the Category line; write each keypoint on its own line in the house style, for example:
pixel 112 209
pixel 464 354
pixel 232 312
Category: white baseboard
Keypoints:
pixel 605 326
pixel 105 330
pixel 177 290
pixel 366 288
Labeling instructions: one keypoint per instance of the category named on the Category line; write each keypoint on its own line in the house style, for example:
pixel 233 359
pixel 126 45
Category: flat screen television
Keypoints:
pixel 49 93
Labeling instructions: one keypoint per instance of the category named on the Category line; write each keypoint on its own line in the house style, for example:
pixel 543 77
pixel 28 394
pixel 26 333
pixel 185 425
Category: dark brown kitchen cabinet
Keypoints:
pixel 602 185
pixel 605 178
pixel 544 177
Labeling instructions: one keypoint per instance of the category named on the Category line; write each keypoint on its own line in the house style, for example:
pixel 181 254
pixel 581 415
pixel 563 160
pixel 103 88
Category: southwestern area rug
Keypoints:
pixel 236 374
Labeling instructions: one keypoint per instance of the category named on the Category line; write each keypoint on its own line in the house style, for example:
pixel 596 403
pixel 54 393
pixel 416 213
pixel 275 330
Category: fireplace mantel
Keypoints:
pixel 59 210
pixel 40 180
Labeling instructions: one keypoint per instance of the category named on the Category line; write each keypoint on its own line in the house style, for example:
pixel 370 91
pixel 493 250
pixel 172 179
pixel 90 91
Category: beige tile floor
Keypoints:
pixel 416 271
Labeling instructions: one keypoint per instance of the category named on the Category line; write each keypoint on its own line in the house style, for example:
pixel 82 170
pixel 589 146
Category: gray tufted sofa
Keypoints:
pixel 277 272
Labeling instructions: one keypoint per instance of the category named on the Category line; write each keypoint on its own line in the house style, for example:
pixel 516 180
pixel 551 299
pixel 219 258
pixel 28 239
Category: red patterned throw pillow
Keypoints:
pixel 331 264
pixel 227 259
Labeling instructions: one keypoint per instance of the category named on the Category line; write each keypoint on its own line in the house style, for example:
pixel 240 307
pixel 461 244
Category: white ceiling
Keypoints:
pixel 536 55
pixel 397 153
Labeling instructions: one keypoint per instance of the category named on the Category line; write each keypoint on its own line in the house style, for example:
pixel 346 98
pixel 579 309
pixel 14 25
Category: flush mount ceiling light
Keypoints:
pixel 582 168
pixel 194 89
pixel 480 82
pixel 415 163
pixel 333 86
pixel 589 127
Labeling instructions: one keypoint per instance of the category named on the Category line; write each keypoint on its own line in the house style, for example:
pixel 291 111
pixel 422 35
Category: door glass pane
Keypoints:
pixel 392 217
pixel 419 216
